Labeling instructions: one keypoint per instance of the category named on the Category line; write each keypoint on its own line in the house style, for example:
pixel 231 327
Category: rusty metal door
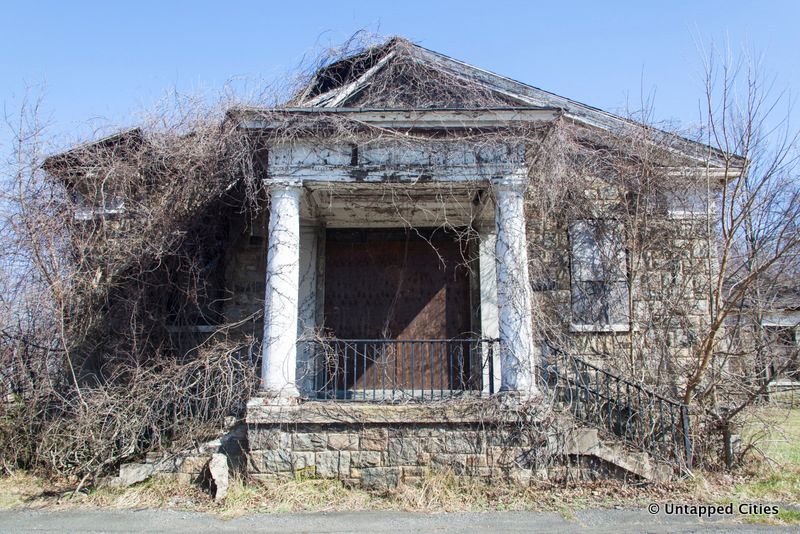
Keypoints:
pixel 397 284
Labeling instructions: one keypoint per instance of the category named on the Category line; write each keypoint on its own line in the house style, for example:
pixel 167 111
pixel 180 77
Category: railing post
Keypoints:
pixel 687 441
pixel 491 366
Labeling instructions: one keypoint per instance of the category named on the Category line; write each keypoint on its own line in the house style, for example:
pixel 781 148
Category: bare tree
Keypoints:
pixel 114 251
pixel 754 222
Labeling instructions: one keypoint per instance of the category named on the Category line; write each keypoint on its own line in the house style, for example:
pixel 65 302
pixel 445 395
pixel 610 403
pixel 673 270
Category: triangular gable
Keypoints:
pixel 403 75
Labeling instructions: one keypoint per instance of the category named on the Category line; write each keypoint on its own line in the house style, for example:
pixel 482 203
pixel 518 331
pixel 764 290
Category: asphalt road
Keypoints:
pixel 166 521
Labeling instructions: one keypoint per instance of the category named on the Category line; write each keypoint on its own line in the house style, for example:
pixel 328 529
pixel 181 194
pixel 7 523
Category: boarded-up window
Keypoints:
pixel 599 276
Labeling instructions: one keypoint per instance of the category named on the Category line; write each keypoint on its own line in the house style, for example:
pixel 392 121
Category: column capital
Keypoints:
pixel 515 182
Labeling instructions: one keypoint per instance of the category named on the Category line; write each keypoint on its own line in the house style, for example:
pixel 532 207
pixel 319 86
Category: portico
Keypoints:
pixel 471 196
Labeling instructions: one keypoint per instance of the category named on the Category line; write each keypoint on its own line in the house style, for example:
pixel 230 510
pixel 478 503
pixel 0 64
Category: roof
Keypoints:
pixel 392 75
pixel 398 83
pixel 402 75
pixel 125 141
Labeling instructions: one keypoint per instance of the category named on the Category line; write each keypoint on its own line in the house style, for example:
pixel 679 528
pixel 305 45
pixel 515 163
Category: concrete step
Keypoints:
pixel 587 442
pixel 581 441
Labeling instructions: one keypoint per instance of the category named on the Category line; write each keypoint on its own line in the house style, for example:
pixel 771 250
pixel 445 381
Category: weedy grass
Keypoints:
pixel 776 476
pixel 772 479
pixel 436 492
pixel 19 489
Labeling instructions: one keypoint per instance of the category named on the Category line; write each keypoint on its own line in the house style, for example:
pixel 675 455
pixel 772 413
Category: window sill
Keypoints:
pixel 596 328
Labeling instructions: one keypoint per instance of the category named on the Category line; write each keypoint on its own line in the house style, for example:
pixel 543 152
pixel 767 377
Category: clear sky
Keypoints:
pixel 104 62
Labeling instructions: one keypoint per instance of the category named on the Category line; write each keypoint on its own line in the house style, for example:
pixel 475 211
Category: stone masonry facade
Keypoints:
pixel 668 268
pixel 381 456
pixel 380 447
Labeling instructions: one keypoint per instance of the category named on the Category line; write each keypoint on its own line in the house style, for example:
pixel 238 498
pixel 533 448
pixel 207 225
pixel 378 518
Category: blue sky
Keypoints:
pixel 99 64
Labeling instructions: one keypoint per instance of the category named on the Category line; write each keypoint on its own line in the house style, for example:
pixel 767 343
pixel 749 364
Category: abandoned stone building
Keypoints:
pixel 436 238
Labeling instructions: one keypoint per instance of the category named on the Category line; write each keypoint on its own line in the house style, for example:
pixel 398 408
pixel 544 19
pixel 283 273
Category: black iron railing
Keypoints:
pixel 627 409
pixel 382 370
pixel 388 370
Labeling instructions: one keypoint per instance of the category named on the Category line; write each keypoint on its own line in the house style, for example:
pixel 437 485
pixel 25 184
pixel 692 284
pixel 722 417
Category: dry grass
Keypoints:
pixel 771 474
pixel 773 480
pixel 20 489
pixel 440 492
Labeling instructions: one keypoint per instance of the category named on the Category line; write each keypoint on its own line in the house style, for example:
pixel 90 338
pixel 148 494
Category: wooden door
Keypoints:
pixel 397 285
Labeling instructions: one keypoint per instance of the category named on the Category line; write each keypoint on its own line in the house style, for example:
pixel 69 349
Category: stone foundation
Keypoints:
pixel 380 446
pixel 191 465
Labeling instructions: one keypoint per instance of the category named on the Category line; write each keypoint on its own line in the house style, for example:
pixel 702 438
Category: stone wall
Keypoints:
pixel 189 466
pixel 245 266
pixel 380 447
pixel 379 456
pixel 668 269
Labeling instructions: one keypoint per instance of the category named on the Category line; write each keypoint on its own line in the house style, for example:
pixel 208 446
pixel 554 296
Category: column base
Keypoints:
pixel 520 395
pixel 287 396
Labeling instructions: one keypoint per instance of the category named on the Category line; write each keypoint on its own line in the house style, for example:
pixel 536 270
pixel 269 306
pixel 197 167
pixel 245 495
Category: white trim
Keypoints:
pixel 88 214
pixel 606 328
pixel 425 118
pixel 334 97
pixel 394 174
pixel 201 328
pixel 788 319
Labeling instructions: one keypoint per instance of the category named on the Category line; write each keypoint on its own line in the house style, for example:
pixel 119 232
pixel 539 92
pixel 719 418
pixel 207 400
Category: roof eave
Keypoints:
pixel 443 118
pixel 60 160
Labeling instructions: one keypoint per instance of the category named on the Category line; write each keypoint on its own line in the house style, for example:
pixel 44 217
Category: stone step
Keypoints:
pixel 586 442
pixel 581 441
pixel 640 464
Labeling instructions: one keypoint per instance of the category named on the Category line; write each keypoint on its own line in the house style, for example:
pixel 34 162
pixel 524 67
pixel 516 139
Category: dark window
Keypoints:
pixel 599 276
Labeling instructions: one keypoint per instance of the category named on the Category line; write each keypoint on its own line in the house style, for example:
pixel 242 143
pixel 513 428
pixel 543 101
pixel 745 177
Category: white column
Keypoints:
pixel 488 291
pixel 279 349
pixel 513 286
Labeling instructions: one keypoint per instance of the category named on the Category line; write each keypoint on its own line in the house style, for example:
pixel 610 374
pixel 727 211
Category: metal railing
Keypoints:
pixel 388 370
pixel 627 409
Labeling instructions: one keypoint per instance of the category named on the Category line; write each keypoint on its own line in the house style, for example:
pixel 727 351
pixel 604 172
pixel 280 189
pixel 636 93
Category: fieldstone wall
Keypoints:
pixel 668 268
pixel 245 265
pixel 378 447
pixel 380 456
pixel 191 465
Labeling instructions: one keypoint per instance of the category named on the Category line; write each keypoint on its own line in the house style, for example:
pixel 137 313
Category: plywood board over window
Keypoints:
pixel 599 280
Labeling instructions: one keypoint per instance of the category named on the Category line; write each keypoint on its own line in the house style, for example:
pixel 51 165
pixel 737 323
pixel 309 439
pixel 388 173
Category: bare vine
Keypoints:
pixel 118 335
